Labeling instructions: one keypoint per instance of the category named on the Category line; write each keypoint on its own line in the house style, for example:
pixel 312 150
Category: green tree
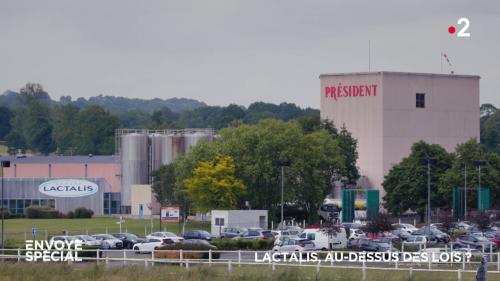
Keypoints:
pixel 65 126
pixel 164 184
pixel 490 131
pixel 406 183
pixel 32 126
pixel 214 185
pixel 466 154
pixel 5 121
pixel 96 131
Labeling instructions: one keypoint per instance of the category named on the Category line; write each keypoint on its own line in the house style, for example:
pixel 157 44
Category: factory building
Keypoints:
pixel 389 111
pixel 63 182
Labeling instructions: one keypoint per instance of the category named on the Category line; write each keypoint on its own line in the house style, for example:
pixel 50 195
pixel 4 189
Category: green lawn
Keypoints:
pixel 43 271
pixel 17 229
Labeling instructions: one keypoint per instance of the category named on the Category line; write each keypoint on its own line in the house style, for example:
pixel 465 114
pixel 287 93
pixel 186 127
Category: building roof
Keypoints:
pixel 400 73
pixel 61 159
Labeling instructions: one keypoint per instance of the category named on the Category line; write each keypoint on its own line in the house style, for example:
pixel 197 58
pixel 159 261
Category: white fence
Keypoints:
pixel 244 258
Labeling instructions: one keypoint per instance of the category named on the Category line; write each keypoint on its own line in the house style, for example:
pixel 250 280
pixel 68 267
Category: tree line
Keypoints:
pixel 31 120
pixel 406 183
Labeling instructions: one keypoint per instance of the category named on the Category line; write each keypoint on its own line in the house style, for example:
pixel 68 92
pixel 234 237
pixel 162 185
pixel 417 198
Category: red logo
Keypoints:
pixel 345 91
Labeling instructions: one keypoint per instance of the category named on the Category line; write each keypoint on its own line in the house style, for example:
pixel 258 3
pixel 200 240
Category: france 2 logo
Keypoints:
pixel 463 31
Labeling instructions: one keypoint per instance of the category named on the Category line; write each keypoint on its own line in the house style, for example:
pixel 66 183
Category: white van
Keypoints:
pixel 320 238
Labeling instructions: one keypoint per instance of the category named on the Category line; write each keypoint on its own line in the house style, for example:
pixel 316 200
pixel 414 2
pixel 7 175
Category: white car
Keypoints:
pixel 295 245
pixel 321 240
pixel 108 241
pixel 410 228
pixel 151 244
pixel 88 240
pixel 165 234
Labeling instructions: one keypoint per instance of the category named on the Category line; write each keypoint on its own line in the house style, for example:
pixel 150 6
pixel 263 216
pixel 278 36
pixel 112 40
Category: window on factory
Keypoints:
pixel 18 206
pixel 420 100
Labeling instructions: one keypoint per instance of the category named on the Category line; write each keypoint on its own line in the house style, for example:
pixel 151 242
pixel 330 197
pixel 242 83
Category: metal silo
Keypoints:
pixel 192 138
pixel 135 165
pixel 177 148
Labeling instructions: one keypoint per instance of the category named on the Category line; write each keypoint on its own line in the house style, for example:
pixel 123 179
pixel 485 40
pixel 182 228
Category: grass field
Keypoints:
pixel 16 230
pixel 40 271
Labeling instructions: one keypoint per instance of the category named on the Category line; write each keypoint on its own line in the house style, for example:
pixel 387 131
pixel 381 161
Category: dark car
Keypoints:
pixel 433 234
pixel 401 233
pixel 198 234
pixel 374 246
pixel 199 242
pixel 475 242
pixel 128 239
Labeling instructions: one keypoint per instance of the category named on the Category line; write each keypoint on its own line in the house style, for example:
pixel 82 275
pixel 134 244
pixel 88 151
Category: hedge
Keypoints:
pixel 41 212
pixel 80 213
pixel 186 255
pixel 242 244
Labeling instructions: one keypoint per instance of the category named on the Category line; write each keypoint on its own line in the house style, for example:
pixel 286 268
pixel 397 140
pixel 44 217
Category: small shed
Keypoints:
pixel 237 218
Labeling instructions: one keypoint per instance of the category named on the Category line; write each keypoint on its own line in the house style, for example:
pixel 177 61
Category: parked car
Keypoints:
pixel 371 245
pixel 496 239
pixel 294 245
pixel 401 233
pixel 199 242
pixel 320 238
pixel 151 244
pixel 231 232
pixel 355 243
pixel 256 234
pixel 165 234
pixel 128 239
pixel 410 228
pixel 108 241
pixel 198 234
pixel 476 242
pixel 65 238
pixel 420 241
pixel 88 240
pixel 433 234
pixel 356 233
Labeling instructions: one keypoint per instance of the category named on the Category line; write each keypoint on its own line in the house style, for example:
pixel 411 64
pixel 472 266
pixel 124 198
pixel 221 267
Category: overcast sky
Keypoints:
pixel 223 52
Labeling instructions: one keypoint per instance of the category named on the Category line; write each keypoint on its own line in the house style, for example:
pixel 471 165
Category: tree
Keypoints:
pixel 164 184
pixel 32 126
pixel 466 154
pixel 379 224
pixel 331 230
pixel 96 131
pixel 482 220
pixel 316 162
pixel 406 182
pixel 490 132
pixel 214 185
pixel 65 126
pixel 5 121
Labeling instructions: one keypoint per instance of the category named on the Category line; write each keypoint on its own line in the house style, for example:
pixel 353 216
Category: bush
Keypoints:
pixel 185 255
pixel 9 215
pixel 41 212
pixel 81 213
pixel 241 244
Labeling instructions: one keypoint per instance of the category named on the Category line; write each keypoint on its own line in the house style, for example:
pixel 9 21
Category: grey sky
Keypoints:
pixel 223 52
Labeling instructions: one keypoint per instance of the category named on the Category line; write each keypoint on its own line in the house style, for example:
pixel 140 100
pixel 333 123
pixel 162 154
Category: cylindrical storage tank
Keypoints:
pixel 177 148
pixel 192 138
pixel 135 165
pixel 156 151
pixel 166 149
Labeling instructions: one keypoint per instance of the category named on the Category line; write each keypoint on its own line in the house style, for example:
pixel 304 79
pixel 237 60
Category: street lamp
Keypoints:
pixel 478 164
pixel 3 164
pixel 282 164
